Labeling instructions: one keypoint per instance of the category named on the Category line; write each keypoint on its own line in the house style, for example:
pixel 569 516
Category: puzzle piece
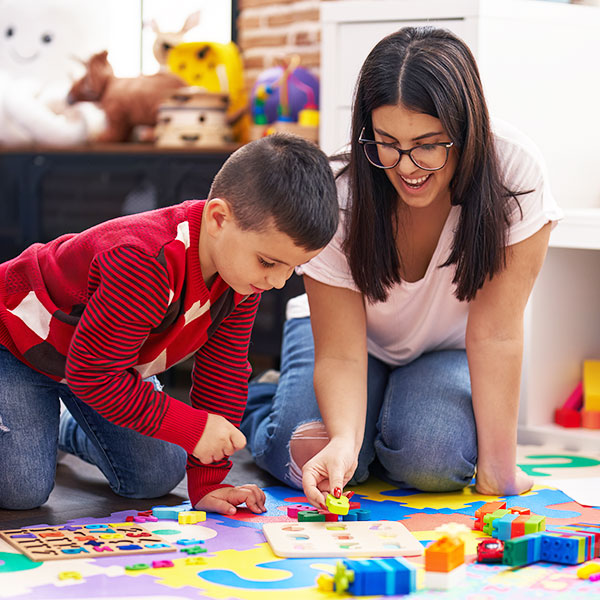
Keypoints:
pixel 86 541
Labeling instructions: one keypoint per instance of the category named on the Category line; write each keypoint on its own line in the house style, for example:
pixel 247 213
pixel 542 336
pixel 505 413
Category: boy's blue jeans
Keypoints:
pixel 135 465
pixel 420 428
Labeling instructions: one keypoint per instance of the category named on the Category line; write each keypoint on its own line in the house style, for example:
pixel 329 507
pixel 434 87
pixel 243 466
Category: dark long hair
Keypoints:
pixel 430 71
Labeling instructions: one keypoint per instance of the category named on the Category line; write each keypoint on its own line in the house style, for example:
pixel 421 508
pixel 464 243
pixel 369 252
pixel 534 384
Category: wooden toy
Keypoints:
pixel 591 385
pixel 345 538
pixel 569 414
pixel 84 541
pixel 338 506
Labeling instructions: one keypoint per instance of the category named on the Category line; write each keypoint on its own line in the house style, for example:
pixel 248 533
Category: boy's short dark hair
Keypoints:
pixel 285 180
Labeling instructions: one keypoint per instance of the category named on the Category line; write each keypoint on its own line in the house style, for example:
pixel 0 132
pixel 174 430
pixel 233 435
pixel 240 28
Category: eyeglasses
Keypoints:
pixel 429 157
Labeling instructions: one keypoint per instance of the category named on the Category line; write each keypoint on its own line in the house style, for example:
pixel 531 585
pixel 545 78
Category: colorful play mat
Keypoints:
pixel 239 564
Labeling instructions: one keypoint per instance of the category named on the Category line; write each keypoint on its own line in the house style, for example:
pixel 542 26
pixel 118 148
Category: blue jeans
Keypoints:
pixel 136 466
pixel 420 428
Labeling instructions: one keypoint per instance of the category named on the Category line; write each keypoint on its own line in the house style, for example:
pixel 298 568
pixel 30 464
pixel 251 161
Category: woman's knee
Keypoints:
pixel 435 464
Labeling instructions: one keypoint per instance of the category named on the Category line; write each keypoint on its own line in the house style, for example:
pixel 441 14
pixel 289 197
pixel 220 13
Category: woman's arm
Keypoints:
pixel 340 377
pixel 494 341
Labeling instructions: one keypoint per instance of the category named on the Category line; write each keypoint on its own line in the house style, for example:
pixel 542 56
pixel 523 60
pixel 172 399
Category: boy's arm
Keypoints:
pixel 130 299
pixel 220 386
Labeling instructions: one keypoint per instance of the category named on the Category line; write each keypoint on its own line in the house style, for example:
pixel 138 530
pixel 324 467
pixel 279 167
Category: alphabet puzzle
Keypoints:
pixel 85 541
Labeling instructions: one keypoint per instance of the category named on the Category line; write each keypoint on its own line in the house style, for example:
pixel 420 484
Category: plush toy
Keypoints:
pixel 216 67
pixel 38 41
pixel 126 102
pixel 165 41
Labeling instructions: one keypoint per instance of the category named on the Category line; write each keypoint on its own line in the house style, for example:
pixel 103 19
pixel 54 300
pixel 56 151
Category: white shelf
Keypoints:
pixel 570 438
pixel 579 229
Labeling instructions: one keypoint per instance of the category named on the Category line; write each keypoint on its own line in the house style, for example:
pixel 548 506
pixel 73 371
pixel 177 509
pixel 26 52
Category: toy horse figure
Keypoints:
pixel 127 102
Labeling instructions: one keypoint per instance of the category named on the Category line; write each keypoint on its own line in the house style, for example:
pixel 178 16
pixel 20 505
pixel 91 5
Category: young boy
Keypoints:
pixel 89 317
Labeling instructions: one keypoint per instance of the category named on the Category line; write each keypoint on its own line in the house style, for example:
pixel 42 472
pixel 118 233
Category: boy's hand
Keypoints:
pixel 220 439
pixel 224 500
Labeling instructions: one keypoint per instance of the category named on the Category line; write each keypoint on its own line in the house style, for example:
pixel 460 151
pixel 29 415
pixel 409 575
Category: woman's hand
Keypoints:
pixel 489 485
pixel 225 500
pixel 329 469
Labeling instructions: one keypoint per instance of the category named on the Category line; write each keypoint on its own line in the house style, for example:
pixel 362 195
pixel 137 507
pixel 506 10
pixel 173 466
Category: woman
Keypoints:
pixel 417 304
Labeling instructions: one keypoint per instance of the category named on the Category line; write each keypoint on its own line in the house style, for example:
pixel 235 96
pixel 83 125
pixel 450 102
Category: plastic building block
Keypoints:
pixel 385 576
pixel 310 516
pixel 487 508
pixel 519 510
pixel 591 385
pixel 325 582
pixel 488 520
pixel 338 506
pixel 590 419
pixel 294 509
pixel 522 550
pixel 191 517
pixel 569 414
pixel 444 555
pixel 502 527
pixel 563 550
pixel 518 526
pixel 490 551
pixel 535 524
pixel 436 580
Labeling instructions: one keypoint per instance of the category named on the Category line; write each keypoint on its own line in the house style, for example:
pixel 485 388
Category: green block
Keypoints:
pixel 490 517
pixel 515 552
pixel 535 523
pixel 310 515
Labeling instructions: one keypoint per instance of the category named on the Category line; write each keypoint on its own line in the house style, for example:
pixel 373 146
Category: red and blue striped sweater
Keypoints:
pixel 103 309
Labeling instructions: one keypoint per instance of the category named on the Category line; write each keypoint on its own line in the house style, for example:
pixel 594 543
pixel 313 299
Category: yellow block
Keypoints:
pixel 189 517
pixel 591 385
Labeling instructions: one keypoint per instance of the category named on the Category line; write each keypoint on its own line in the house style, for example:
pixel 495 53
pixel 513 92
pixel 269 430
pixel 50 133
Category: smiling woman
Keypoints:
pixel 408 366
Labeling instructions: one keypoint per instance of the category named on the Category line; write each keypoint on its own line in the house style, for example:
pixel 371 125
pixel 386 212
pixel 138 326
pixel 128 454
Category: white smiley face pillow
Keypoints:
pixel 40 43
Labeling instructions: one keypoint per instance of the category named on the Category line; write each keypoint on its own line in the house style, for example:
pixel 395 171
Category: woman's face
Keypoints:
pixel 406 129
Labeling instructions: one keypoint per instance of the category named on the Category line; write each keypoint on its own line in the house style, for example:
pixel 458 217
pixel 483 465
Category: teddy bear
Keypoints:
pixel 37 68
pixel 126 101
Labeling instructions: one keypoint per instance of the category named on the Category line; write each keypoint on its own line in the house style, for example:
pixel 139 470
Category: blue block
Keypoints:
pixel 534 547
pixel 501 528
pixel 560 550
pixel 386 576
pixel 351 516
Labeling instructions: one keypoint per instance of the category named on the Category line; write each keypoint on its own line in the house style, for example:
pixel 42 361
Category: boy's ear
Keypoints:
pixel 218 214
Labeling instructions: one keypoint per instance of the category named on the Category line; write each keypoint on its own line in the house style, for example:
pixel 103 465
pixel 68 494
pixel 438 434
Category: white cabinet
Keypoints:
pixel 539 63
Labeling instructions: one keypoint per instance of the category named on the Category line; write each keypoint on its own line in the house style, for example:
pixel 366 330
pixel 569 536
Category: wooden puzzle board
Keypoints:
pixel 344 538
pixel 84 541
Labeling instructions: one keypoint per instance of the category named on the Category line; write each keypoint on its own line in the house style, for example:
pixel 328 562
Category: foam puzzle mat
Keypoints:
pixel 239 565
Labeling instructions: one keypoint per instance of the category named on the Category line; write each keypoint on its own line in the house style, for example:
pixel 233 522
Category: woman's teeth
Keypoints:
pixel 415 182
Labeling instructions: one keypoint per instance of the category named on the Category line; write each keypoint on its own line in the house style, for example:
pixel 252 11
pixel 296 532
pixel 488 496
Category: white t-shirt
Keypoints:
pixel 425 315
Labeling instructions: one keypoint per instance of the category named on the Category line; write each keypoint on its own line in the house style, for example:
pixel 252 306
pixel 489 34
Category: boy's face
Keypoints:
pixel 252 262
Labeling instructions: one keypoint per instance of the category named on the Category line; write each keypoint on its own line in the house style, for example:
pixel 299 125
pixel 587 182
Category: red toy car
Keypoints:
pixel 490 551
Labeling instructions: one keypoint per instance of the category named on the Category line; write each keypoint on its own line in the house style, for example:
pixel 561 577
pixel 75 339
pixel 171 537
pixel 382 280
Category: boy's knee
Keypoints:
pixel 157 477
pixel 25 494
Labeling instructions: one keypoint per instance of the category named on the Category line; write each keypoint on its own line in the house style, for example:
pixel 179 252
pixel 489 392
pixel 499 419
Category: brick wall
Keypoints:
pixel 268 29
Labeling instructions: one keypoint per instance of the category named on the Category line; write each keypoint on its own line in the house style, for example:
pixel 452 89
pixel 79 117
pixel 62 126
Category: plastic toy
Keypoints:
pixel 385 576
pixel 126 102
pixel 285 98
pixel 215 68
pixel 490 551
pixel 569 414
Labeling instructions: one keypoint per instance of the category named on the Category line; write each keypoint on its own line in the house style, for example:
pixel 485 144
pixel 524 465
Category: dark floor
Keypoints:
pixel 82 491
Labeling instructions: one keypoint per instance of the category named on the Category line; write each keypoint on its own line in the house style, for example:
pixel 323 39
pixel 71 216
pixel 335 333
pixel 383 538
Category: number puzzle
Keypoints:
pixel 84 541
pixel 344 538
